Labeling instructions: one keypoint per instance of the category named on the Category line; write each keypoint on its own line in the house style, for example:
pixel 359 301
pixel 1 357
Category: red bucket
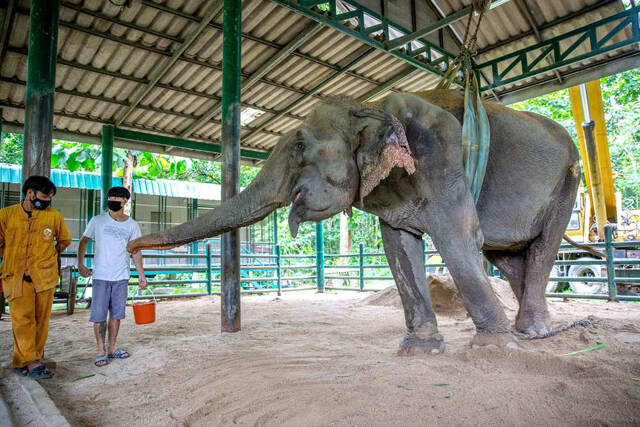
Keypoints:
pixel 145 312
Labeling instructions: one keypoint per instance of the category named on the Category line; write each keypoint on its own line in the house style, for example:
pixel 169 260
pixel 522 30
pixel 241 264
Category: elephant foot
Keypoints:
pixel 413 345
pixel 533 322
pixel 500 339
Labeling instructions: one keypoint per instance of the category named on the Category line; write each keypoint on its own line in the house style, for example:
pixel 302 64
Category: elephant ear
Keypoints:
pixel 380 149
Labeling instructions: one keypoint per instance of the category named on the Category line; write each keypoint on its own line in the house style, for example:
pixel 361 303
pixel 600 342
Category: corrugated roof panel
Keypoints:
pixel 131 55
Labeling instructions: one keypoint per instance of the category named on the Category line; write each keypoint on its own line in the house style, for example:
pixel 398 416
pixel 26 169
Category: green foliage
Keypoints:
pixel 363 226
pixel 12 145
pixel 74 156
pixel 621 98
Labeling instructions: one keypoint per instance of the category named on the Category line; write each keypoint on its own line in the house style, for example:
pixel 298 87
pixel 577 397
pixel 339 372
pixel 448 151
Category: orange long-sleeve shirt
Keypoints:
pixel 29 248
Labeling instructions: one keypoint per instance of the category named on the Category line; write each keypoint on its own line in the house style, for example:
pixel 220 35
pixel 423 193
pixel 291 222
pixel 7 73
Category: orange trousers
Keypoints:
pixel 30 323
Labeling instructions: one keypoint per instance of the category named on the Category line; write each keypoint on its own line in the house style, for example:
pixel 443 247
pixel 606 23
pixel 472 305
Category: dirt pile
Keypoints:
pixel 445 296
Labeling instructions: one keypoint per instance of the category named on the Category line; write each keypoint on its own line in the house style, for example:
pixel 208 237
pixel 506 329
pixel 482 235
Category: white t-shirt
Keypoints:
pixel 111 259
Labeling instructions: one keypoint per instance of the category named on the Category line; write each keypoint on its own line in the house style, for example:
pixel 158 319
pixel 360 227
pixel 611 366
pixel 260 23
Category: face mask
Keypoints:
pixel 114 205
pixel 40 204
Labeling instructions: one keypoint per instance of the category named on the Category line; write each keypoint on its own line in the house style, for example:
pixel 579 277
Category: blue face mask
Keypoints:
pixel 40 204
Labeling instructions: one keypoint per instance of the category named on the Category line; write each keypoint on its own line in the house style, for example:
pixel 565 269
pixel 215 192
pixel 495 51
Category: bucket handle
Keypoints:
pixel 149 289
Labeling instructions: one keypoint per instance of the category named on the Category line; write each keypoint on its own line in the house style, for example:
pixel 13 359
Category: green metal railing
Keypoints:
pixel 280 273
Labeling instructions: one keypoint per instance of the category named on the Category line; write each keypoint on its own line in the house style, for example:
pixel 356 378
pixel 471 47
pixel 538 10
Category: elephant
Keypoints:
pixel 401 160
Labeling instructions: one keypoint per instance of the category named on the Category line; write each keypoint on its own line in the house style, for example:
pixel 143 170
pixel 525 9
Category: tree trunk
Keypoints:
pixel 127 177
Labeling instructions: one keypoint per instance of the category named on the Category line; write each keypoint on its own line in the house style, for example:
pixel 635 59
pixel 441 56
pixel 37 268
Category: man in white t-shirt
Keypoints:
pixel 111 231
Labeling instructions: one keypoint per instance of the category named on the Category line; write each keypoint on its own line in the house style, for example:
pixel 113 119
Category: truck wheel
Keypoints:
pixel 586 271
pixel 552 286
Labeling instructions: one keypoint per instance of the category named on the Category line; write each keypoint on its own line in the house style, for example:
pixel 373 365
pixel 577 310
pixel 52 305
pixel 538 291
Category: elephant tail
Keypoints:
pixel 585 248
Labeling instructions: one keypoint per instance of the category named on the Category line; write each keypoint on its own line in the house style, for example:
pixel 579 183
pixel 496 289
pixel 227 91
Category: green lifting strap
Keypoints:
pixel 475 137
pixel 475 123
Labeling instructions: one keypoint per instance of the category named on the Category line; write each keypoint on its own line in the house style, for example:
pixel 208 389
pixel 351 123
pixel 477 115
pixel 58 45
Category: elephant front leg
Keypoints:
pixel 454 228
pixel 405 256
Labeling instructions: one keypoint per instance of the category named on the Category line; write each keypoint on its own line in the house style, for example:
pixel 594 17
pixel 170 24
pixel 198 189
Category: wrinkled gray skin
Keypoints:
pixel 344 153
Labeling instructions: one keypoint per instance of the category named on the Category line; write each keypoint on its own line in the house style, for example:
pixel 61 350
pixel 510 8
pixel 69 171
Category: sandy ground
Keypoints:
pixel 307 359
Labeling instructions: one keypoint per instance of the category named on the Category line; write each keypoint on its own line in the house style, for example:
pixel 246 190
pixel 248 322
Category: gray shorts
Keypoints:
pixel 107 295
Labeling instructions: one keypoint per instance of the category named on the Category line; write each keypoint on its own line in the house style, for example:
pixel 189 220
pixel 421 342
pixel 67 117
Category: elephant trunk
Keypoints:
pixel 267 192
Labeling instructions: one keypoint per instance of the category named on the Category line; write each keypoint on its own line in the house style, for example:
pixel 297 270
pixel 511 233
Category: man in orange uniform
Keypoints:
pixel 32 234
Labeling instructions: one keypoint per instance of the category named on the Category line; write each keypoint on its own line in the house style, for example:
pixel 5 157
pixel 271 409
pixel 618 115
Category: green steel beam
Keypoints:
pixel 596 70
pixel 524 9
pixel 106 167
pixel 41 76
pixel 168 141
pixel 268 65
pixel 230 241
pixel 558 50
pixel 211 12
pixel 581 13
pixel 448 20
pixel 430 57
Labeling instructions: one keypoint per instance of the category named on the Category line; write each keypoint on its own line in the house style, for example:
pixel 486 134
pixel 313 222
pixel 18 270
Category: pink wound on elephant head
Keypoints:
pixel 396 153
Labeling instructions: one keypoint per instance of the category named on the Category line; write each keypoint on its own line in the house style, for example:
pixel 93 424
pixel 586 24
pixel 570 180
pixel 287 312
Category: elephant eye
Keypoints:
pixel 299 146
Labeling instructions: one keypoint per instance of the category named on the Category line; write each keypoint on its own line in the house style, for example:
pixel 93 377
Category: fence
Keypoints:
pixel 281 273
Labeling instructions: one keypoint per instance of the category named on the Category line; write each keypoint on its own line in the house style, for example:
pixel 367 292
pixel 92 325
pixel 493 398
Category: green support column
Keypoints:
pixel 611 270
pixel 208 272
pixel 231 78
pixel 41 78
pixel 193 213
pixel 275 227
pixel 320 256
pixel 361 264
pixel 107 163
pixel 91 204
pixel 278 270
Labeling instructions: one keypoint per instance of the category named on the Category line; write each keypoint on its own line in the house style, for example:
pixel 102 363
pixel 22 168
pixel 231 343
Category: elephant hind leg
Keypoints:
pixel 533 316
pixel 512 265
pixel 525 271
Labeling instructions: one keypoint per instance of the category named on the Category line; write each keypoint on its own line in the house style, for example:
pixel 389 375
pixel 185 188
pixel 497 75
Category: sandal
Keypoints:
pixel 21 371
pixel 119 354
pixel 101 360
pixel 39 373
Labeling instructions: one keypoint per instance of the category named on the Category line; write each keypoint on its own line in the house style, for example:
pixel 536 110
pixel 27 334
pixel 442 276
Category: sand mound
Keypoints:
pixel 388 297
pixel 444 296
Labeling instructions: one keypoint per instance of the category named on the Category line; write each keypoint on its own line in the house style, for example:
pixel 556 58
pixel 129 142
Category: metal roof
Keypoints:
pixel 93 181
pixel 109 59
